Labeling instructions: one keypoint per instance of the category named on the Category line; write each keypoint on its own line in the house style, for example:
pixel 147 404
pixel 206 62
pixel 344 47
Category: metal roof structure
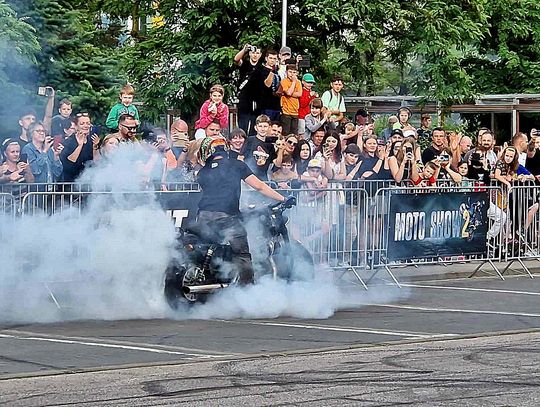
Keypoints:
pixel 504 103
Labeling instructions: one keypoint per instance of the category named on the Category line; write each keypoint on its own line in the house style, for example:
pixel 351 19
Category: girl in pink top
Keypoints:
pixel 213 109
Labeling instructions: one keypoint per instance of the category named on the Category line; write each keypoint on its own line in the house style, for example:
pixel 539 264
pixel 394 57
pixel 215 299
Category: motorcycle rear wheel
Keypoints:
pixel 176 277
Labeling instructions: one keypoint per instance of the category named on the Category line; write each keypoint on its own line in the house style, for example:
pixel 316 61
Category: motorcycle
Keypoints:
pixel 205 263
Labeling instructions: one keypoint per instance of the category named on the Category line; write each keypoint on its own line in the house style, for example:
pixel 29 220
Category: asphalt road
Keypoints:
pixel 445 342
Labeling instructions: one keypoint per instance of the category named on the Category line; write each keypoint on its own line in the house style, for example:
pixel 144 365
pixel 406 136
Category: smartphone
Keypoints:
pixel 23 158
pixel 44 91
pixel 57 140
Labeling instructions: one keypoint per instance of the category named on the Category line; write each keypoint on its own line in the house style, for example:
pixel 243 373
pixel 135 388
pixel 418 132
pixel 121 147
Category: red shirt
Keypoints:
pixel 305 100
pixel 425 182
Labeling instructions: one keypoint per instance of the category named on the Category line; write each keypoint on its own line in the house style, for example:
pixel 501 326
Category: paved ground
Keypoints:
pixel 444 342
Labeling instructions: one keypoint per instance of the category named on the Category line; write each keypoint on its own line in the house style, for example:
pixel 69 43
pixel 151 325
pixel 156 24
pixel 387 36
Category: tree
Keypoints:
pixel 70 55
pixel 18 49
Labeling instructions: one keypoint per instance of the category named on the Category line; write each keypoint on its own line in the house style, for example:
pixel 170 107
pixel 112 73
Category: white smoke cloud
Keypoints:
pixel 107 262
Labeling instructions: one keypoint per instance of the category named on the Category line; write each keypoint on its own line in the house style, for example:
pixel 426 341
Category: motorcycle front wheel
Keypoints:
pixel 294 262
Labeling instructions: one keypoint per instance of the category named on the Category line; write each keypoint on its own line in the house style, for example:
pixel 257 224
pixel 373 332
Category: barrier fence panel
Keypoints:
pixel 433 225
pixel 522 225
pixel 7 205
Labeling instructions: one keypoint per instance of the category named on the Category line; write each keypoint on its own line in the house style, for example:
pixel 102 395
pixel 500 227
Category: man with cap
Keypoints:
pixel 396 135
pixel 308 94
pixel 285 55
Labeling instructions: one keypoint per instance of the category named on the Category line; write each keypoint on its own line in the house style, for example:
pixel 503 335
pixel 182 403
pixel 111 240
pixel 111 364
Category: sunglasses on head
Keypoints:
pixel 82 115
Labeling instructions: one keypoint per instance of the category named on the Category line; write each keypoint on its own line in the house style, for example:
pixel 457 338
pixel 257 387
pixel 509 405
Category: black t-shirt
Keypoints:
pixel 351 197
pixel 266 99
pixel 220 181
pixel 246 88
pixel 368 163
pixel 479 174
pixel 72 170
pixel 21 142
pixel 430 154
pixel 533 163
pixel 58 124
pixel 252 144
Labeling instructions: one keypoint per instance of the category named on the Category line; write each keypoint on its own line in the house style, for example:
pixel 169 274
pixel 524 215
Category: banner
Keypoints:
pixel 182 206
pixel 437 225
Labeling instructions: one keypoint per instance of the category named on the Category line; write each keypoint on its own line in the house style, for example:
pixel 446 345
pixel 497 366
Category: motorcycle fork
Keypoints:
pixel 271 251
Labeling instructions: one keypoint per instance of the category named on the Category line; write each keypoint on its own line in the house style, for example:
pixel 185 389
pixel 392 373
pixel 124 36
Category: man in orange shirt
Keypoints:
pixel 290 90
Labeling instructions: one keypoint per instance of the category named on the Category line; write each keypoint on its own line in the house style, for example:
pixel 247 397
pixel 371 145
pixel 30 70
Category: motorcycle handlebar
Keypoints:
pixel 289 202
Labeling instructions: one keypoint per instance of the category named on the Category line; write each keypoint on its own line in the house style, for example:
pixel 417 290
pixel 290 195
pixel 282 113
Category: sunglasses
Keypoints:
pixel 130 128
pixel 353 155
pixel 292 143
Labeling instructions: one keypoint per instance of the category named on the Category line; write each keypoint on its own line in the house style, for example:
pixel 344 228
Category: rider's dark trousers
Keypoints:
pixel 232 231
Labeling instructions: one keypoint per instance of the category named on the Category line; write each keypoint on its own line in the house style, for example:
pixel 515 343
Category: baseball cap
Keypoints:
pixel 314 163
pixel 353 149
pixel 409 133
pixel 308 78
pixel 399 132
pixel 285 50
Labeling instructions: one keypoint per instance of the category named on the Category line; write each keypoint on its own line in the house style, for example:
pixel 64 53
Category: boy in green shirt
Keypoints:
pixel 124 107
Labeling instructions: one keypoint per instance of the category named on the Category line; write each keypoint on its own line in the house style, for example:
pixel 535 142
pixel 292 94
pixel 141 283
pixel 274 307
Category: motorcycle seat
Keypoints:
pixel 204 232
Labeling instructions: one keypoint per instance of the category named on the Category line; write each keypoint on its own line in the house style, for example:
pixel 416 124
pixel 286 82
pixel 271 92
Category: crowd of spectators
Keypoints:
pixel 289 136
pixel 287 133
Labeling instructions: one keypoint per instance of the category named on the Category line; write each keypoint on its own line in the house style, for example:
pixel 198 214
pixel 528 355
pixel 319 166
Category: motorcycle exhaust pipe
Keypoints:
pixel 207 288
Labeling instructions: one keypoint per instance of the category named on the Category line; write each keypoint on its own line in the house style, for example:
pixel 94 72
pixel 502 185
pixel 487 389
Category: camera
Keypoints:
pixel 45 91
pixel 443 157
pixel 149 136
pixel 305 62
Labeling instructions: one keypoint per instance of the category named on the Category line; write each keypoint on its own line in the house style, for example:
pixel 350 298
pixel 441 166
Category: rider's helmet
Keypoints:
pixel 211 146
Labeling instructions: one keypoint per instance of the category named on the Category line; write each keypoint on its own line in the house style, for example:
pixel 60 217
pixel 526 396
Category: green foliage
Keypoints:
pixel 69 53
pixel 18 49
pixel 448 50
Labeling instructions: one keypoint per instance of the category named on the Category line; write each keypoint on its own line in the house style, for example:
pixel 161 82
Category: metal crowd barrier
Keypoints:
pixel 379 226
pixel 7 205
pixel 345 226
pixel 522 225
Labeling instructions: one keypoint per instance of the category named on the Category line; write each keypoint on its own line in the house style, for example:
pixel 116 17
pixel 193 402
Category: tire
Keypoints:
pixel 176 277
pixel 294 262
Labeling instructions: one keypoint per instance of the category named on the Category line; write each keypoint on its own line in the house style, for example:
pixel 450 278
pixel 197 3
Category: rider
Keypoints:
pixel 220 182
